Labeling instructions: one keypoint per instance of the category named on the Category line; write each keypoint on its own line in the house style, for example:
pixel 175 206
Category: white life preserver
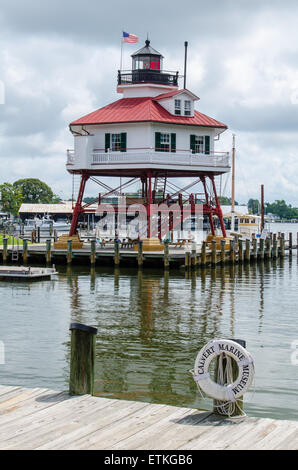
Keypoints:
pixel 233 391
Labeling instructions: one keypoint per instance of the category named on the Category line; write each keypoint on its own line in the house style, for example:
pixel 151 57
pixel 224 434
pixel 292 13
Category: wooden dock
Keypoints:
pixel 46 420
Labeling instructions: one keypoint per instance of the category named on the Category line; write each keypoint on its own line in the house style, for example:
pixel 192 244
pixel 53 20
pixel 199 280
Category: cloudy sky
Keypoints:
pixel 59 61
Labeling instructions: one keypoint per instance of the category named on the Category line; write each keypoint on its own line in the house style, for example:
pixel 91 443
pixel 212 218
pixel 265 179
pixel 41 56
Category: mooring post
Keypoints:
pixel 69 251
pixel 116 253
pixel 222 252
pixel 282 246
pixel 194 258
pixel 82 359
pixel 261 251
pixel 5 247
pixel 275 249
pixel 203 254
pixel 247 250
pixel 140 254
pixel 238 409
pixel 48 251
pixel 55 235
pixel 232 251
pixel 38 234
pixel 213 253
pixel 240 250
pixel 255 249
pixel 187 260
pixel 25 250
pixel 93 252
pixel 268 251
pixel 290 242
pixel 166 262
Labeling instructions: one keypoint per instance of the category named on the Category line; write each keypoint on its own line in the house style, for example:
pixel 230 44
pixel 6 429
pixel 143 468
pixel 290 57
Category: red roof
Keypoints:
pixel 143 110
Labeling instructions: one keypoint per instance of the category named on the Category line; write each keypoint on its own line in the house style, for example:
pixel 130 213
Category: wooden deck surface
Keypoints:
pixel 45 419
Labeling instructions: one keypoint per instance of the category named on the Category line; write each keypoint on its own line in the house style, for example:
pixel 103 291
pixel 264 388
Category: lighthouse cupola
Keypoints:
pixel 146 78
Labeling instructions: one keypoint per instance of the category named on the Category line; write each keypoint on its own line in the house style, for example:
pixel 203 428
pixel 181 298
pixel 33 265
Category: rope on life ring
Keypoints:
pixel 233 391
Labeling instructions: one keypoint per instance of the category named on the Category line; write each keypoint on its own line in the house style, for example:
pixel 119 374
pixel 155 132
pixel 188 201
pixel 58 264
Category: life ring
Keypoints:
pixel 233 391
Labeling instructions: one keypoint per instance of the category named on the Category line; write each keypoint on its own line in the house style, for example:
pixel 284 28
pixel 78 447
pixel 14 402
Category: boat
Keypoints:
pixel 46 225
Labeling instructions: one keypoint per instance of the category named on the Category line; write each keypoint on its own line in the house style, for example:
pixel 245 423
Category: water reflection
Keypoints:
pixel 151 325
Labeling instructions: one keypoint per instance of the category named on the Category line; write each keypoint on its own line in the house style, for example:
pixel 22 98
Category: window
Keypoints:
pixel 199 143
pixel 187 108
pixel 177 106
pixel 164 142
pixel 116 142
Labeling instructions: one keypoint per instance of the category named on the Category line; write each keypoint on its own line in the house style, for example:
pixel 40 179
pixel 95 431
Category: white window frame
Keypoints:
pixel 165 139
pixel 200 144
pixel 187 108
pixel 177 107
pixel 116 142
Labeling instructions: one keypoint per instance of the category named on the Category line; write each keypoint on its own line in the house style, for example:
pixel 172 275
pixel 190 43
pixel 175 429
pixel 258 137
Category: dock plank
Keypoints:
pixel 45 419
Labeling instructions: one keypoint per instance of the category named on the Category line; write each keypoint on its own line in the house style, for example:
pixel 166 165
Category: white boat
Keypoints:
pixel 46 225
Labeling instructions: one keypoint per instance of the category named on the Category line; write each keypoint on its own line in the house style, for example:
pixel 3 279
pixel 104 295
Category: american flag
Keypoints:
pixel 129 37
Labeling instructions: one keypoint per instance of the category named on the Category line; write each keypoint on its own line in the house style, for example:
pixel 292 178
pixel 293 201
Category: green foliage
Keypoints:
pixel 253 206
pixel 281 209
pixel 35 191
pixel 226 201
pixel 11 198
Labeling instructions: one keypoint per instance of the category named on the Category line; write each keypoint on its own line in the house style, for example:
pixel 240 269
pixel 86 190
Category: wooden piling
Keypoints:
pixel 232 252
pixel 25 250
pixel 187 260
pixel 116 253
pixel 222 252
pixel 93 253
pixel 140 254
pixel 166 261
pixel 82 359
pixel 290 242
pixel 69 251
pixel 282 247
pixel 240 251
pixel 268 248
pixel 203 254
pixel 247 250
pixel 38 234
pixel 5 249
pixel 238 409
pixel 194 258
pixel 261 248
pixel 255 249
pixel 48 251
pixel 213 253
pixel 275 249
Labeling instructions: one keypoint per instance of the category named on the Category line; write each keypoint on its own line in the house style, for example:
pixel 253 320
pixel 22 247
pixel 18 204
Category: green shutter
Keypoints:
pixel 107 142
pixel 173 142
pixel 207 144
pixel 193 143
pixel 123 142
pixel 157 142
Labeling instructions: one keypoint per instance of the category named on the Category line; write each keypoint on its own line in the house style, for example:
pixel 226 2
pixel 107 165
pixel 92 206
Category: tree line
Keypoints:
pixel 28 190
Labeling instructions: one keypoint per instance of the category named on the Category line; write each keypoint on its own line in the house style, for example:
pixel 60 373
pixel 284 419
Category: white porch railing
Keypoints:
pixel 150 156
pixel 164 158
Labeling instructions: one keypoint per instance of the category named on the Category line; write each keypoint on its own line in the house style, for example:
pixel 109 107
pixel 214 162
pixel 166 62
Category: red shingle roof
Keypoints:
pixel 142 110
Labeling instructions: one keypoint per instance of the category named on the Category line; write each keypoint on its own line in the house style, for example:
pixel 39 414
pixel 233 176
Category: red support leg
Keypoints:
pixel 218 209
pixel 78 207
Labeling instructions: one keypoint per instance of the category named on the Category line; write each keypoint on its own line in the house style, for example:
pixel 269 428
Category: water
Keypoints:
pixel 151 326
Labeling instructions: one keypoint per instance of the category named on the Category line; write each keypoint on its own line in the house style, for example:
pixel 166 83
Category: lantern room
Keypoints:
pixel 147 68
pixel 147 58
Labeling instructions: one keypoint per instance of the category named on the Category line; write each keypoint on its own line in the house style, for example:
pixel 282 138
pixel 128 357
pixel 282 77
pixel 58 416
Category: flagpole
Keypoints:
pixel 121 52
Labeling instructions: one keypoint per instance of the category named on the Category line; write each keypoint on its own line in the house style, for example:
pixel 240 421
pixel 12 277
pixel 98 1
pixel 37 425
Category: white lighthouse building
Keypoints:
pixel 153 134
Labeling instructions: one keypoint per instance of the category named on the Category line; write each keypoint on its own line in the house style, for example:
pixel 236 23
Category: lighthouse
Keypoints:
pixel 152 135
